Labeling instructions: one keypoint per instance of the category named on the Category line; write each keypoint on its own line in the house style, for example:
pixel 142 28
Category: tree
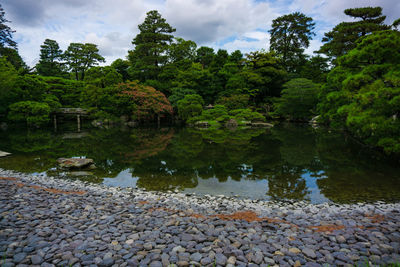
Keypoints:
pixel 31 112
pixel 8 79
pixel 299 99
pixel 343 36
pixel 290 35
pixel 264 75
pixel 190 106
pixel 122 67
pixel 316 69
pixel 182 51
pixel 179 93
pixel 151 45
pixel 80 57
pixel 50 59
pixel 5 32
pixel 362 94
pixel 145 101
pixel 205 55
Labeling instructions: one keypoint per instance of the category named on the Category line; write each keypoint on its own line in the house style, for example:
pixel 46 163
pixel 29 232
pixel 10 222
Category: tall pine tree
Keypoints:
pixel 290 35
pixel 343 36
pixel 151 45
pixel 50 59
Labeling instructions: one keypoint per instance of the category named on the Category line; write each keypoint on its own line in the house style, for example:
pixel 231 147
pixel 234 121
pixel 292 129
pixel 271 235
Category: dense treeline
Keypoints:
pixel 351 83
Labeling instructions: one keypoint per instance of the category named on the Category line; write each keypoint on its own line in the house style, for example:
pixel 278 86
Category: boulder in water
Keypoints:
pixel 4 154
pixel 74 163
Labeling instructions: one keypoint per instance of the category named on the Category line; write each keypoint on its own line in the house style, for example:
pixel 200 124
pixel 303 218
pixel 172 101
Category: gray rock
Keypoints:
pixel 156 264
pixel 269 261
pixel 206 261
pixel 107 262
pixel 36 260
pixel 19 257
pixel 196 257
pixel 309 252
pixel 220 259
pixel 4 154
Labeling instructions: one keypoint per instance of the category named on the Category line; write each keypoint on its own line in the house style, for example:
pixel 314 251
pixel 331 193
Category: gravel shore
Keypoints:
pixel 54 222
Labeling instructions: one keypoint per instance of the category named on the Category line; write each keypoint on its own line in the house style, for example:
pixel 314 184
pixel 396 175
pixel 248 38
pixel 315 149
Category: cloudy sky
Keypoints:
pixel 112 24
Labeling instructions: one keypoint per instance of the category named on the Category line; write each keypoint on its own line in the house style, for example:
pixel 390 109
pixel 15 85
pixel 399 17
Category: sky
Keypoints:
pixel 221 24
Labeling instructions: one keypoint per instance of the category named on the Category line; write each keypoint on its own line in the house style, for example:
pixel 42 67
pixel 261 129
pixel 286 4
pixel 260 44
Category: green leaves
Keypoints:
pixel 363 93
pixel 190 106
pixel 50 63
pixel 290 35
pixel 80 57
pixel 343 36
pixel 299 99
pixel 151 45
pixel 32 112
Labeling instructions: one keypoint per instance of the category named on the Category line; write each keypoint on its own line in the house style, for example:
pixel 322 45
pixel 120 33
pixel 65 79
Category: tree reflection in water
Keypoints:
pixel 285 160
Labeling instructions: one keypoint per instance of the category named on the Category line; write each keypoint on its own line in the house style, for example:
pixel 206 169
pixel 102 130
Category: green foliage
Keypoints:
pixel 5 32
pixel 234 101
pixel 179 93
pixel 362 94
pixel 316 69
pixel 30 87
pixel 290 35
pixel 8 80
pixel 198 79
pixel 32 112
pixel 299 100
pixel 246 114
pixel 101 92
pixel 15 59
pixel 190 106
pixel 80 57
pixel 151 44
pixel 205 55
pixel 67 91
pixel 343 36
pixel 181 51
pixel 103 76
pixel 264 75
pixel 50 59
pixel 121 66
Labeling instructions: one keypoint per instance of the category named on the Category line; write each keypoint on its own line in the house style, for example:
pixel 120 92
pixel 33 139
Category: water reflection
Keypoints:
pixel 286 162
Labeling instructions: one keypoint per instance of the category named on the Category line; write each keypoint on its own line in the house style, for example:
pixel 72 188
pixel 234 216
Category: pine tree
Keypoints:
pixel 50 59
pixel 151 45
pixel 290 35
pixel 343 36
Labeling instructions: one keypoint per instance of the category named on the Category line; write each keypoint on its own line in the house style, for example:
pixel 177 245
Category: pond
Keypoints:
pixel 289 161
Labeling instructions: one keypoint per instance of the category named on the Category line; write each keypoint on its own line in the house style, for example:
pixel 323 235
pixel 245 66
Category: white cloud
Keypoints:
pixel 113 24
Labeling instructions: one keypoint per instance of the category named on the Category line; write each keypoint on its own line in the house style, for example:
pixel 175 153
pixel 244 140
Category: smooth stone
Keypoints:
pixel 196 257
pixel 36 259
pixel 19 257
pixel 220 259
pixel 106 262
pixel 309 253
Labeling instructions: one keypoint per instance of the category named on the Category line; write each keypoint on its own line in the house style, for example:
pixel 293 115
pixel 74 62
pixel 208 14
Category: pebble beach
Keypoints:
pixel 46 221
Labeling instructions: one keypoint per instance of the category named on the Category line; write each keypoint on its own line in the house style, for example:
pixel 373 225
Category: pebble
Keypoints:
pixel 132 227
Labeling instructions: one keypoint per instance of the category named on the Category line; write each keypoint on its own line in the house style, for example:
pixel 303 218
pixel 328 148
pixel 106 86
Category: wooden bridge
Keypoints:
pixel 70 111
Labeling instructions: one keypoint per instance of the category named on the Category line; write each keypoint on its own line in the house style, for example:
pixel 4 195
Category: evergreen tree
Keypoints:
pixel 5 32
pixel 80 57
pixel 290 35
pixel 343 36
pixel 151 45
pixel 50 59
pixel 362 94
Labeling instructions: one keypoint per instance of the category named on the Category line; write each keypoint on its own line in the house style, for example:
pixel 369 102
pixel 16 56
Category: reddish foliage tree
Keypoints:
pixel 147 102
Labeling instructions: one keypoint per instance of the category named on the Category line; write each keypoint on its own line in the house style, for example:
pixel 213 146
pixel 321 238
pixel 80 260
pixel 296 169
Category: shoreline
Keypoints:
pixel 77 223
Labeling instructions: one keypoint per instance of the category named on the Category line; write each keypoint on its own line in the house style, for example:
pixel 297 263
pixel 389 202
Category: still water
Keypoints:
pixel 286 162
